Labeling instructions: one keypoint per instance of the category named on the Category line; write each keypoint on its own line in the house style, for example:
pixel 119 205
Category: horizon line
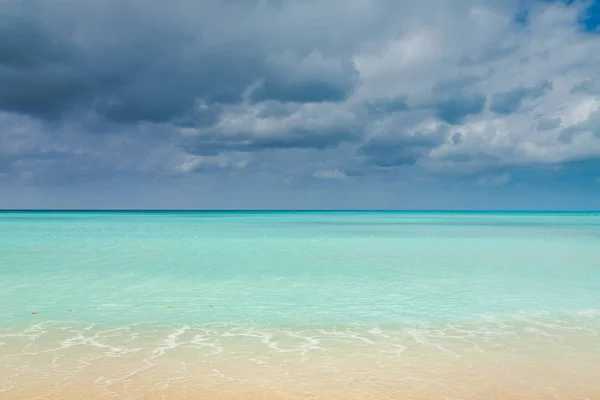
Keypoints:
pixel 288 210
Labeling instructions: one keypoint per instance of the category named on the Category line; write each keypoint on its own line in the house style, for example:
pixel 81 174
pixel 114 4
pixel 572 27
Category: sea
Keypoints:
pixel 299 305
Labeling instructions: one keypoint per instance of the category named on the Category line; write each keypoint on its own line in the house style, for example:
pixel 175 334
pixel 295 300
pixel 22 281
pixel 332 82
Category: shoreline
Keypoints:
pixel 534 362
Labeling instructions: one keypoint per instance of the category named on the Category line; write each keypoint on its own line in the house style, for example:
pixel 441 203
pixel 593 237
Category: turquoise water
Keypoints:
pixel 296 269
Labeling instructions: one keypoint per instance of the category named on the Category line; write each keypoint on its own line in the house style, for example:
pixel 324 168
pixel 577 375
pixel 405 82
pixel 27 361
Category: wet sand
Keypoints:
pixel 191 363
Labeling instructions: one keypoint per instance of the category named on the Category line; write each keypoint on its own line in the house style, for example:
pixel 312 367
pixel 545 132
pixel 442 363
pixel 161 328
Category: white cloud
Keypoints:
pixel 501 56
pixel 198 163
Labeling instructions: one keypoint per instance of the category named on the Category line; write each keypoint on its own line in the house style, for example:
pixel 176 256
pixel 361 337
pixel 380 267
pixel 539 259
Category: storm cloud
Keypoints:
pixel 289 95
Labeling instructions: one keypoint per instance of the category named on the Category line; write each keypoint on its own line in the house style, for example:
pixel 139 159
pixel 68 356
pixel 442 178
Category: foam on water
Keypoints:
pixel 299 303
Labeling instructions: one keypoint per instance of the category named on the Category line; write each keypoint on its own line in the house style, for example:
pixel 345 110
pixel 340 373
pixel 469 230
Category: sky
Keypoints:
pixel 300 104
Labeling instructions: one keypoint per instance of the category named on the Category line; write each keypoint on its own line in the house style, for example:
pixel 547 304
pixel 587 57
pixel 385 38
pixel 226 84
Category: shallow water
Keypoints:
pixel 299 305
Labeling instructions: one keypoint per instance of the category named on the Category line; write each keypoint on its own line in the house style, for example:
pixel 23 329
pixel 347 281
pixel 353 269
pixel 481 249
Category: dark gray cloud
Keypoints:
pixel 456 99
pixel 39 168
pixel 509 102
pixel 384 107
pixel 401 150
pixel 36 67
pixel 545 124
pixel 149 73
pixel 248 142
pixel 25 43
pixel 307 80
pixel 455 109
pixel 281 89
pixel 131 64
pixel 456 138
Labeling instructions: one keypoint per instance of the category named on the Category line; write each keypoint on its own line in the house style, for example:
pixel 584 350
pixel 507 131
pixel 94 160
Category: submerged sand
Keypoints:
pixel 195 363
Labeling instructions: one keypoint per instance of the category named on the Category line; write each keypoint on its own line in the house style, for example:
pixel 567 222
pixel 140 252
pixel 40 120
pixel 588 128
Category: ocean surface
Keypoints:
pixel 448 305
